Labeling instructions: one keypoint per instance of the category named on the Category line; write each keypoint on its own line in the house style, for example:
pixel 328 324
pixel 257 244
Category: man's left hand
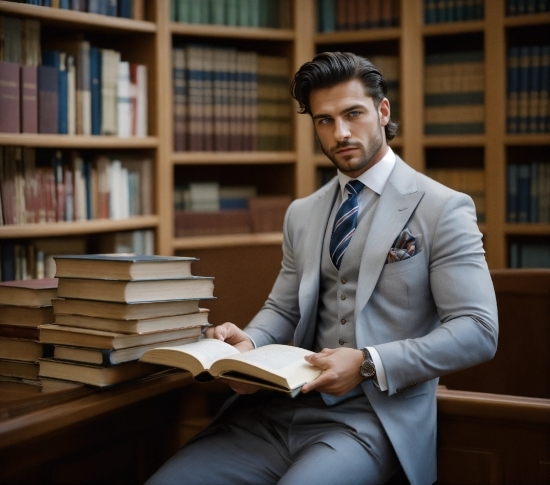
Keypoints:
pixel 340 371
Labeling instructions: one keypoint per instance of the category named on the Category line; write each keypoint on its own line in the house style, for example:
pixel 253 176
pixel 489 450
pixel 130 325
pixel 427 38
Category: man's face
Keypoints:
pixel 349 127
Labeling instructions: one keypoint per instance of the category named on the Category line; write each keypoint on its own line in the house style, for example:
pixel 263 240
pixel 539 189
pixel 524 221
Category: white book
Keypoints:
pixel 124 102
pixel 141 105
pixel 71 94
pixel 109 86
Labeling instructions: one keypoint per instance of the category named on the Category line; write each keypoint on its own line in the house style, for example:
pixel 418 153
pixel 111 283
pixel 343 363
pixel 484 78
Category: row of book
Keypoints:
pixel 529 255
pixel 70 87
pixel 526 7
pixel 454 93
pixel 206 208
pixel 113 8
pixel 93 322
pixel 241 13
pixel 528 192
pixel 335 15
pixel 471 181
pixel 438 11
pixel 67 186
pixel 33 259
pixel 528 89
pixel 230 100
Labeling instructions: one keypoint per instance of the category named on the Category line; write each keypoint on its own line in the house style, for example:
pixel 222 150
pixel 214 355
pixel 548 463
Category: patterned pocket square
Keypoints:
pixel 404 247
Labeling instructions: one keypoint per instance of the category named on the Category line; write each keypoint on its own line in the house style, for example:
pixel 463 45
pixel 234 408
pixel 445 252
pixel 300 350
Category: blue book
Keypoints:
pixel 524 192
pixel 534 193
pixel 544 95
pixel 523 89
pixel 63 91
pixel 512 192
pixel 7 250
pixel 534 88
pixel 48 98
pixel 87 172
pixel 111 8
pixel 512 7
pixel 327 15
pixel 53 58
pixel 513 90
pixel 95 89
pixel 65 4
pixel 125 8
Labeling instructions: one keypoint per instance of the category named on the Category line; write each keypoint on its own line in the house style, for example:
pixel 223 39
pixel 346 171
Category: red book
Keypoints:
pixel 37 292
pixel 10 120
pixel 29 99
pixel 17 331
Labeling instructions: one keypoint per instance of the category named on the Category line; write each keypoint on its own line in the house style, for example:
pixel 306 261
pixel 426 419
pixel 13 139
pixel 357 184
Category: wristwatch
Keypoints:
pixel 367 369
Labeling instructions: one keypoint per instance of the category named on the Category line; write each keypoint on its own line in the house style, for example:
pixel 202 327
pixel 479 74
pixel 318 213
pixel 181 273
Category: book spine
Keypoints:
pixel 534 88
pixel 523 90
pixel 29 99
pixel 524 192
pixel 513 90
pixel 47 99
pixel 95 89
pixel 10 89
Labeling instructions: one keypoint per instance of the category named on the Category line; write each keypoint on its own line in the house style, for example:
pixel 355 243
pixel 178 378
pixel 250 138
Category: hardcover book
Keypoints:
pixel 275 367
pixel 9 97
pixel 123 266
pixel 29 293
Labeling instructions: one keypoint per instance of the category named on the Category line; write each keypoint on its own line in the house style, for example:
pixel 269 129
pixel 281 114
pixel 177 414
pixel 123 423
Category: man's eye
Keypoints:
pixel 324 121
pixel 354 113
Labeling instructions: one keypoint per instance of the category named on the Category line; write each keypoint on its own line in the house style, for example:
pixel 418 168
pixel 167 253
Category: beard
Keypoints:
pixel 375 143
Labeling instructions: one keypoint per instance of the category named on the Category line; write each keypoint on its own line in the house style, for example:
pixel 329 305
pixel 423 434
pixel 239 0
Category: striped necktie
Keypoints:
pixel 345 223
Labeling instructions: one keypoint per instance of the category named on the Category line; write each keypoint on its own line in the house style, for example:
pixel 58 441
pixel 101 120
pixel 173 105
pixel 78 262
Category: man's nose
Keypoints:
pixel 341 130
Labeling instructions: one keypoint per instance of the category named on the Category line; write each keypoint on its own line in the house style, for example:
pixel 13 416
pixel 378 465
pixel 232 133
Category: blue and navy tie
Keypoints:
pixel 345 223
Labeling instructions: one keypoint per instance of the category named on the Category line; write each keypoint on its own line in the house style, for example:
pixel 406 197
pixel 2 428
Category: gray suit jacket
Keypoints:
pixel 426 316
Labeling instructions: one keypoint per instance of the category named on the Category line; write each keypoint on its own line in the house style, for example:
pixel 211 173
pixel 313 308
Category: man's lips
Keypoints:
pixel 344 151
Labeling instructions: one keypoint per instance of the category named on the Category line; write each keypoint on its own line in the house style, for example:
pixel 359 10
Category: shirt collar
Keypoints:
pixel 374 178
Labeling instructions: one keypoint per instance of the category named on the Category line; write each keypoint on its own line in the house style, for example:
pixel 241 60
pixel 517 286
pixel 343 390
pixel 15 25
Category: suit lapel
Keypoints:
pixel 395 207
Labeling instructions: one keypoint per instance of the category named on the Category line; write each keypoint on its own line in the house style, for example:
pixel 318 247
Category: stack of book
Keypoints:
pixel 242 13
pixel 454 93
pixel 24 306
pixel 230 100
pixel 357 14
pixel 528 89
pixel 67 86
pixel 528 192
pixel 111 308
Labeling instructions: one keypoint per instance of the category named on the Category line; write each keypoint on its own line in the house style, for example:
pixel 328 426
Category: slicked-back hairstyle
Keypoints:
pixel 328 69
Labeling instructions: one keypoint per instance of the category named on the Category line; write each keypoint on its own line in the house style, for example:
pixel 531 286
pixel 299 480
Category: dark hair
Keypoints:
pixel 328 69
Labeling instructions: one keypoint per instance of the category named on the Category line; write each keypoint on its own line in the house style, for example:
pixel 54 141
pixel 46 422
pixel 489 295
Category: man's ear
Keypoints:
pixel 384 111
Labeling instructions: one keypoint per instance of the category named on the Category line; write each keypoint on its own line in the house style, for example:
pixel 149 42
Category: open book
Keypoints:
pixel 276 367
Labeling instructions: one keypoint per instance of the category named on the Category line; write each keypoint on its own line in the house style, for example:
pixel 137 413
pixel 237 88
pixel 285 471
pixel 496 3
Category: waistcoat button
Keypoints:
pixel 343 321
pixel 341 342
pixel 344 281
pixel 342 297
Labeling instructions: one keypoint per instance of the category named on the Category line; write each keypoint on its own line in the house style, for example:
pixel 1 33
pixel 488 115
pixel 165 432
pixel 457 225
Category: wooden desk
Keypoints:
pixel 88 435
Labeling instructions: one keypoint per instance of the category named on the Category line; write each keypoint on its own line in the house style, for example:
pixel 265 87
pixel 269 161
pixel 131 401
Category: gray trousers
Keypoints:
pixel 269 438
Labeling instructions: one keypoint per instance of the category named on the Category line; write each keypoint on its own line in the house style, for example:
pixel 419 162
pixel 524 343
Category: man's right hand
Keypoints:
pixel 229 332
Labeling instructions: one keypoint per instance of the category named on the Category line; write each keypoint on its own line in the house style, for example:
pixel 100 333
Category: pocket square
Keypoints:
pixel 404 247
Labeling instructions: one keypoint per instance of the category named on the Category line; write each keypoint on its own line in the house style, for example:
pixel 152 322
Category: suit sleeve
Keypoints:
pixel 464 297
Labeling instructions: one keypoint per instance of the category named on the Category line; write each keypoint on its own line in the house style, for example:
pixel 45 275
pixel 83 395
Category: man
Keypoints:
pixel 385 279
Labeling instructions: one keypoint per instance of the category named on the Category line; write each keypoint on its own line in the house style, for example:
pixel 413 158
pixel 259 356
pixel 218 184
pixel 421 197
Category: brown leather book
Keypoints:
pixel 9 98
pixel 29 99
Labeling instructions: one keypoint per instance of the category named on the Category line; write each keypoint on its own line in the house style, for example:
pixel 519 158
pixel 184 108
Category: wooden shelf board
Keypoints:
pixel 59 229
pixel 233 158
pixel 527 229
pixel 528 139
pixel 350 36
pixel 446 28
pixel 454 140
pixel 229 240
pixel 85 20
pixel 231 32
pixel 524 20
pixel 76 141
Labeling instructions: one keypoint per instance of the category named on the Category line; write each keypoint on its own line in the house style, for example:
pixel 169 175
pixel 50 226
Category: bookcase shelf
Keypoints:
pixel 77 141
pixel 527 20
pixel 454 140
pixel 354 36
pixel 530 229
pixel 230 32
pixel 527 139
pixel 60 229
pixel 228 241
pixel 449 28
pixel 83 20
pixel 191 158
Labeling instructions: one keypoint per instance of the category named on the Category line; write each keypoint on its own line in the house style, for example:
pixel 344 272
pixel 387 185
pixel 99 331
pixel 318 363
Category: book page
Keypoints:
pixel 209 350
pixel 283 365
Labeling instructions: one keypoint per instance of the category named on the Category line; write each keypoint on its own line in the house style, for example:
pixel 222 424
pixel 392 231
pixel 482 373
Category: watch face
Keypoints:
pixel 367 367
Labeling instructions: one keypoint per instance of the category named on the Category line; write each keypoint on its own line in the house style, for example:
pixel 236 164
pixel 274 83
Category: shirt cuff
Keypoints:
pixel 380 381
pixel 252 340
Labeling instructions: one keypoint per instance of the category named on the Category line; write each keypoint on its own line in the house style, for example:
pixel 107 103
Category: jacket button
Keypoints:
pixel 342 297
pixel 341 342
pixel 343 321
pixel 344 280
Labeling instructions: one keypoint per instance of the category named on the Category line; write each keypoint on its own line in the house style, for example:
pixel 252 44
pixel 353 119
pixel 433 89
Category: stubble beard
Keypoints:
pixel 374 146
